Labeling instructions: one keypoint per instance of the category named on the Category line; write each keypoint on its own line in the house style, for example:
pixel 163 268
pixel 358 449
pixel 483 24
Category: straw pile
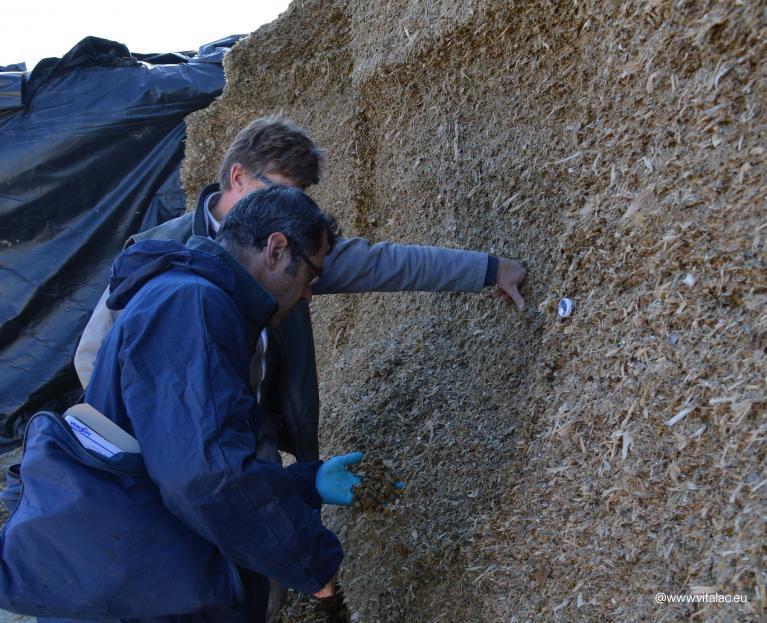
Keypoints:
pixel 557 469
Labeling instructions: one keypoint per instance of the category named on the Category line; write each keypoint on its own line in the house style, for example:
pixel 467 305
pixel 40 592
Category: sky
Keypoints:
pixel 35 29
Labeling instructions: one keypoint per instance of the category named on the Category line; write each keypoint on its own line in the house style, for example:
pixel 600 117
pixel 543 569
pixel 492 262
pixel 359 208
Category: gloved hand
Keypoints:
pixel 334 481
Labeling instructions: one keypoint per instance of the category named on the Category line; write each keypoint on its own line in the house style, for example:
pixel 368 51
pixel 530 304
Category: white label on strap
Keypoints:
pixel 90 438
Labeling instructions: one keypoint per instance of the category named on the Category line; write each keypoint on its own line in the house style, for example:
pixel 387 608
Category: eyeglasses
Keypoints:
pixel 315 270
pixel 269 183
pixel 264 180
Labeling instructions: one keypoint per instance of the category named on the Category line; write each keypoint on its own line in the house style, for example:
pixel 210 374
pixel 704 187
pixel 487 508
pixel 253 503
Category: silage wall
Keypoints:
pixel 619 148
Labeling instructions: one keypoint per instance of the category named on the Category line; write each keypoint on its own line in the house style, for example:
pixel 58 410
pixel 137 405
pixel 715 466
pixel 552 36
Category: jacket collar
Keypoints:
pixel 258 304
pixel 199 224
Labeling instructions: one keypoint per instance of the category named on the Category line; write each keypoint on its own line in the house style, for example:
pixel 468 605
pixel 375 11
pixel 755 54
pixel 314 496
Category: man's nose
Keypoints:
pixel 307 295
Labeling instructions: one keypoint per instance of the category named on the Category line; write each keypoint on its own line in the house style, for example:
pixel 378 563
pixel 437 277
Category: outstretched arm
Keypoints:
pixel 356 265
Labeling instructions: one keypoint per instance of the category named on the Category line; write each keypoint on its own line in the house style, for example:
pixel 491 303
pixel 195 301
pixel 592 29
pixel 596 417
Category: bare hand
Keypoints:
pixel 510 274
pixel 329 589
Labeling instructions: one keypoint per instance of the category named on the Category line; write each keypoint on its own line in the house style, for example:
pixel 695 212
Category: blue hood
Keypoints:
pixel 145 260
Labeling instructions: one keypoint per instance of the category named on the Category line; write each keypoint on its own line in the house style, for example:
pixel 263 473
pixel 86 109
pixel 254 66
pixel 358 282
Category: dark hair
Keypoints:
pixel 282 209
pixel 273 145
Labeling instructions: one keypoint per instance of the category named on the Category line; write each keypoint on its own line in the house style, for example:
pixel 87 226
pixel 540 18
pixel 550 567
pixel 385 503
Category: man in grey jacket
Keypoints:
pixel 283 372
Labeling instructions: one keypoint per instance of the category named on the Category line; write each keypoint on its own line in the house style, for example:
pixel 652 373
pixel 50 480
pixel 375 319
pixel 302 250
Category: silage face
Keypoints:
pixel 556 468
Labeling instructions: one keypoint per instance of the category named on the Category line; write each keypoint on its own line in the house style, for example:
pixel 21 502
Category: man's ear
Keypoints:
pixel 237 177
pixel 276 250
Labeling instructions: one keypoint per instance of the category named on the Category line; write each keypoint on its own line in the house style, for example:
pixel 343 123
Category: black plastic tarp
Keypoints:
pixel 90 156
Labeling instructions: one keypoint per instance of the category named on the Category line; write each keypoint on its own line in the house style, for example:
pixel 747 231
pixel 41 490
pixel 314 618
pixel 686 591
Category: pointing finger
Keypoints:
pixel 517 298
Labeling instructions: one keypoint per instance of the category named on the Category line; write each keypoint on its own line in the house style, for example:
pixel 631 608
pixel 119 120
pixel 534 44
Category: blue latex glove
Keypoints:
pixel 334 481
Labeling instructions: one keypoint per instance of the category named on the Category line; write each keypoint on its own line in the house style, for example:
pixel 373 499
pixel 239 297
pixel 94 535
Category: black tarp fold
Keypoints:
pixel 89 154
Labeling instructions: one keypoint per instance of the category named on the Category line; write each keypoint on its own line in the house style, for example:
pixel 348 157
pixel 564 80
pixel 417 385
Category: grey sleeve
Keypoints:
pixel 95 331
pixel 356 265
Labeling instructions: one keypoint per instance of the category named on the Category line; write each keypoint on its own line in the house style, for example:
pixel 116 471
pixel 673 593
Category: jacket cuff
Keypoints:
pixel 306 477
pixel 491 276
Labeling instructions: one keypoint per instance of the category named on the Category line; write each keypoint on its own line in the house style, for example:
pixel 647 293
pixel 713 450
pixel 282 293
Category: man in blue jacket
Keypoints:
pixel 174 373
